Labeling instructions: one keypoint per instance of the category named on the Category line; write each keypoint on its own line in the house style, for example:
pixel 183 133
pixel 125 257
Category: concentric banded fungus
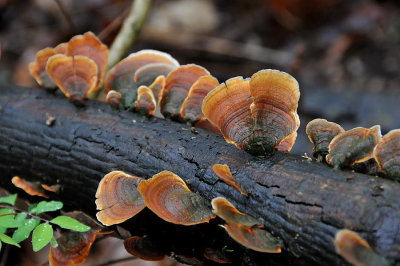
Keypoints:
pixel 223 171
pixel 53 188
pixel 387 154
pixel 353 146
pixel 167 195
pixel 32 188
pixel 321 132
pixel 228 108
pixel 144 248
pixel 121 76
pixel 75 76
pixel 73 247
pixel 254 238
pixel 177 86
pixel 114 99
pixel 191 107
pixel 38 68
pixel 61 48
pixel 157 87
pixel 356 250
pixel 274 110
pixel 118 198
pixel 227 212
pixel 145 103
pixel 148 73
pixel 90 46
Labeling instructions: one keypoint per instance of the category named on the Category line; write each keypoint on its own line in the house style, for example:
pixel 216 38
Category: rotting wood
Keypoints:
pixel 302 202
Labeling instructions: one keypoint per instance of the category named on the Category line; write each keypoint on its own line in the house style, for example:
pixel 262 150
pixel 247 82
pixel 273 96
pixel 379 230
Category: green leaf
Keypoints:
pixel 2 230
pixel 41 236
pixel 47 206
pixel 32 207
pixel 0 245
pixel 19 218
pixel 53 242
pixel 9 199
pixel 67 222
pixel 7 218
pixel 6 239
pixel 25 229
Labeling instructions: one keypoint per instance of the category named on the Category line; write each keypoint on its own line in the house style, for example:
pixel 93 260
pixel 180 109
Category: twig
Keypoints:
pixel 66 15
pixel 221 46
pixel 110 262
pixel 129 31
pixel 112 26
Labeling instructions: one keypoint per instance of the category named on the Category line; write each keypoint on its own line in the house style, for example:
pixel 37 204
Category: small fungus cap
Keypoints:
pixel 146 103
pixel 353 146
pixel 321 132
pixel 167 195
pixel 75 76
pixel 32 188
pixel 191 106
pixel 118 198
pixel 387 154
pixel 177 86
pixel 356 250
pixel 224 173
pixel 38 68
pixel 114 98
pixel 227 212
pixel 144 248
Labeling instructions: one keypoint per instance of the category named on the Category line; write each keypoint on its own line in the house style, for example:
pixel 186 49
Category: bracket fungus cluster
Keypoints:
pixel 363 149
pixel 76 67
pixel 258 114
pixel 356 250
pixel 245 229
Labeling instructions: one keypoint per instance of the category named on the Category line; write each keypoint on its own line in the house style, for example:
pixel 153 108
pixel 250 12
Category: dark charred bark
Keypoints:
pixel 302 202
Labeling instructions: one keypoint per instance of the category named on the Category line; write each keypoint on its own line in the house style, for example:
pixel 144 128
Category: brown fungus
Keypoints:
pixel 191 106
pixel 257 115
pixel 32 188
pixel 75 76
pixel 90 46
pixel 177 86
pixel 353 146
pixel 146 103
pixel 227 212
pixel 118 198
pixel 216 256
pixel 146 74
pixel 38 68
pixel 321 132
pixel 224 173
pixel 387 154
pixel 167 195
pixel 113 98
pixel 144 248
pixel 356 250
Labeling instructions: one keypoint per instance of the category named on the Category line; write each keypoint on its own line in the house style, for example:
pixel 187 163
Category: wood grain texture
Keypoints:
pixel 303 202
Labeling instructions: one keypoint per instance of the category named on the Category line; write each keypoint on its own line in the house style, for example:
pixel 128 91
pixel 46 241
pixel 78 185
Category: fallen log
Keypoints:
pixel 301 201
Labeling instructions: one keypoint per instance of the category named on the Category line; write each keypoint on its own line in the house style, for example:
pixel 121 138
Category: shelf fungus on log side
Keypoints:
pixel 387 154
pixel 118 198
pixel 76 76
pixel 146 74
pixel 353 146
pixel 191 106
pixel 321 132
pixel 177 86
pixel 356 250
pixel 167 195
pixel 38 68
pixel 74 247
pixel 224 173
pixel 157 87
pixel 146 103
pixel 258 114
pixel 121 76
pixel 90 46
pixel 113 98
pixel 32 188
pixel 144 247
pixel 217 256
pixel 245 229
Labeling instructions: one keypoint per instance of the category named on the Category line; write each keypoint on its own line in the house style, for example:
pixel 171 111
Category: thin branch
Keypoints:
pixel 66 15
pixel 113 25
pixel 129 31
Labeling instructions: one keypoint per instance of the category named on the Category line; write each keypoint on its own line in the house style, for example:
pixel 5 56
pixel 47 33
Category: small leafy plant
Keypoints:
pixel 24 222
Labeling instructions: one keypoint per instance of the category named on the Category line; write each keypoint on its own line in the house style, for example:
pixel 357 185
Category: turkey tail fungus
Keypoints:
pixel 113 98
pixel 224 173
pixel 32 188
pixel 118 198
pixel 38 68
pixel 146 103
pixel 387 154
pixel 167 195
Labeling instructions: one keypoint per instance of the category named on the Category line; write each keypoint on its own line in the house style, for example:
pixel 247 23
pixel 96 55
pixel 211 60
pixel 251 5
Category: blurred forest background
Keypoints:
pixel 345 54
